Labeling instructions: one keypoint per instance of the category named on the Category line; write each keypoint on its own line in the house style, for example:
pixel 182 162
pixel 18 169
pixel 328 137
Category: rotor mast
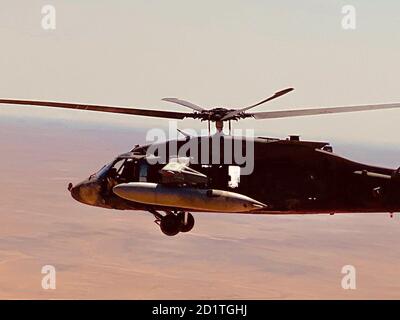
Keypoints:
pixel 219 126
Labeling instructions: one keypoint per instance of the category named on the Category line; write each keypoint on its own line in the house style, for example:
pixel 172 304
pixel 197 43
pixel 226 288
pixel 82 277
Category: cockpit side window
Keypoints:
pixel 118 166
pixel 115 170
pixel 124 170
pixel 128 172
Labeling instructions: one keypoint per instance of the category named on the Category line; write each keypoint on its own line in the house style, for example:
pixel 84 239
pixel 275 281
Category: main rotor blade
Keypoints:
pixel 184 103
pixel 109 109
pixel 320 111
pixel 276 95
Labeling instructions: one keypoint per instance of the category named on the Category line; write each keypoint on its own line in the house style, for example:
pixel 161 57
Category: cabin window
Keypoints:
pixel 143 171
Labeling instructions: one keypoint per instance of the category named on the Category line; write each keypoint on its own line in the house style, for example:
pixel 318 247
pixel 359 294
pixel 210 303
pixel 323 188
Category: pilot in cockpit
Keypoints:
pixel 128 172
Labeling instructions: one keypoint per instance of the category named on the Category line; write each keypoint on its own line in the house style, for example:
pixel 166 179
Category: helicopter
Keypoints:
pixel 286 176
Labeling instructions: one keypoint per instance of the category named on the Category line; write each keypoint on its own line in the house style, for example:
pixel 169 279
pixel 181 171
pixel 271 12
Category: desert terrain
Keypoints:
pixel 102 254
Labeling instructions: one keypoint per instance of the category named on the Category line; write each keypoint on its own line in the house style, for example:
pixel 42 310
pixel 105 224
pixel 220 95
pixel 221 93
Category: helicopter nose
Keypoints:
pixel 87 192
pixel 75 192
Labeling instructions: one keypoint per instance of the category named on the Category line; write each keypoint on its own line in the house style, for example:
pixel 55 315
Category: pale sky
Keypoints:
pixel 213 53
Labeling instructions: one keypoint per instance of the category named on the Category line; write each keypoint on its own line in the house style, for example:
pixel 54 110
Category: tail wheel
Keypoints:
pixel 186 221
pixel 170 225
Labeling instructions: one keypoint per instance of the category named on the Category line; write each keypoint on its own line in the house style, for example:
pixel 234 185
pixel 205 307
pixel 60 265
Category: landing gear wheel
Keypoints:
pixel 186 224
pixel 170 225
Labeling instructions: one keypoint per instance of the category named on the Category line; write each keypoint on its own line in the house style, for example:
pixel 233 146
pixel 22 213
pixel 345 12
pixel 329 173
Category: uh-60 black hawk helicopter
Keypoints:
pixel 288 176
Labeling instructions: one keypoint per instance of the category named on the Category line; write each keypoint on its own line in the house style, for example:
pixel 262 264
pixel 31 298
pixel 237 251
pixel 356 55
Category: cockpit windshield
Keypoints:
pixel 102 172
pixel 127 169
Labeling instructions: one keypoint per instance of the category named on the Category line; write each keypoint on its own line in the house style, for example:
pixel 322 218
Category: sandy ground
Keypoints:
pixel 108 254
